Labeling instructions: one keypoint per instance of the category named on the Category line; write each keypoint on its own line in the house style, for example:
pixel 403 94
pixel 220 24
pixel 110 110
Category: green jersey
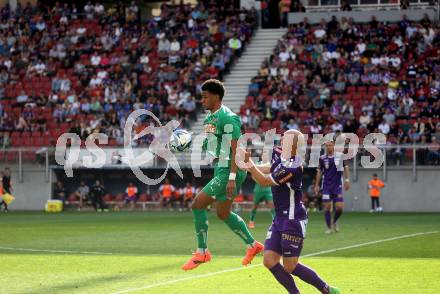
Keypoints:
pixel 262 194
pixel 223 121
pixel 258 189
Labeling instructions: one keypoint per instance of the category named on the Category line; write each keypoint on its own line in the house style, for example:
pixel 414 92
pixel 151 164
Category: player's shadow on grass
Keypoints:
pixel 88 284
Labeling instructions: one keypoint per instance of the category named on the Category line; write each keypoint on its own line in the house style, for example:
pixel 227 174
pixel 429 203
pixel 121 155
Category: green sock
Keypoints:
pixel 201 225
pixel 253 213
pixel 272 212
pixel 238 226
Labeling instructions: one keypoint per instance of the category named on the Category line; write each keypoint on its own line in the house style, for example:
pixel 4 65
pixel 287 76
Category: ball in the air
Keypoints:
pixel 180 140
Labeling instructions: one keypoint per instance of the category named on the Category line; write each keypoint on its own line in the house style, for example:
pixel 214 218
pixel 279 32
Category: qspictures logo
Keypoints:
pixel 346 146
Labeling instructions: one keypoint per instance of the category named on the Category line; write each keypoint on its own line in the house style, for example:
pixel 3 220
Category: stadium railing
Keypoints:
pixel 361 4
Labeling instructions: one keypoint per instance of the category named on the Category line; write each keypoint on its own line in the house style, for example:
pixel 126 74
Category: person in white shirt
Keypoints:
pixel 319 33
pixel 384 127
pixel 40 67
pixel 81 30
pixel 361 47
pixel 337 127
pixel 395 61
pixel 208 50
pixel 175 45
pixel 95 60
pixel 364 119
pixel 65 83
pixel 99 9
pixel 284 55
pixel 95 81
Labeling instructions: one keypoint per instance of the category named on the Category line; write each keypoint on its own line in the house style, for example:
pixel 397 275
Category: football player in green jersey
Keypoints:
pixel 261 194
pixel 223 129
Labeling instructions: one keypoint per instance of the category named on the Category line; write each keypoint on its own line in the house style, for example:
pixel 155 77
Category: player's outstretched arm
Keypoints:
pixel 259 177
pixel 264 168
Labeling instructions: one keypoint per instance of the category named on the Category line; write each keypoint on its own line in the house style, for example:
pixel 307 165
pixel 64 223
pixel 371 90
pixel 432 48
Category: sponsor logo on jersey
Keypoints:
pixel 209 128
pixel 286 178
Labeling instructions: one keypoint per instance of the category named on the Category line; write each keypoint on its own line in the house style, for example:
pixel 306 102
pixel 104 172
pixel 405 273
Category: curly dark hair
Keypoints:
pixel 215 87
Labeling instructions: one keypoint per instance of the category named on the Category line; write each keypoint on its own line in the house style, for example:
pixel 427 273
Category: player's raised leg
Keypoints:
pixel 238 226
pixel 271 261
pixel 309 276
pixel 202 254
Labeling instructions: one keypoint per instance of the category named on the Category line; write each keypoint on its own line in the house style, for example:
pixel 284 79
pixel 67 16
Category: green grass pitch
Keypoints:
pixel 142 253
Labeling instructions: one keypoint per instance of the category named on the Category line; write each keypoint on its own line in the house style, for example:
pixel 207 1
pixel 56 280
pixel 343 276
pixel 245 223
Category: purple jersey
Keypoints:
pixel 287 194
pixel 331 175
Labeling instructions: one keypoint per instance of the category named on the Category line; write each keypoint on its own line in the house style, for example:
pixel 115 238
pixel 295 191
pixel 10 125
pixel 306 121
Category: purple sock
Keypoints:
pixel 328 219
pixel 284 278
pixel 309 276
pixel 338 213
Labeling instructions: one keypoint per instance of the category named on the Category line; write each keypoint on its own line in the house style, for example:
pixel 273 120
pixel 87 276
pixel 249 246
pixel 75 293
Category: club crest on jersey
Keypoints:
pixel 326 164
pixel 279 171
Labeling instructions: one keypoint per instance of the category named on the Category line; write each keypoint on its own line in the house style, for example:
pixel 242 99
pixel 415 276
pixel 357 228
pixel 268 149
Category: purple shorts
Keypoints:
pixel 286 236
pixel 332 194
pixel 332 197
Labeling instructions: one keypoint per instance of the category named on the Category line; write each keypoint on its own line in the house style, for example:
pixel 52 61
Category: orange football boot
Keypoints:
pixel 252 252
pixel 196 260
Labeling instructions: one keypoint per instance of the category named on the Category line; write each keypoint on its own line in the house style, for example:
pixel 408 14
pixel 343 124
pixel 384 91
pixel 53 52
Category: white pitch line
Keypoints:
pixel 55 251
pixel 256 265
pixel 97 253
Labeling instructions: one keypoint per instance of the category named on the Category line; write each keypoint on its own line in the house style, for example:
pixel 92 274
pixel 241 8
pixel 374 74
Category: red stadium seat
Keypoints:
pixel 108 197
pixel 143 197
pixel 119 197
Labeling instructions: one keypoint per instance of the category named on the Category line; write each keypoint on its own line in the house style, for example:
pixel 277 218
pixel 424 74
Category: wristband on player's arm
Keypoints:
pixel 232 176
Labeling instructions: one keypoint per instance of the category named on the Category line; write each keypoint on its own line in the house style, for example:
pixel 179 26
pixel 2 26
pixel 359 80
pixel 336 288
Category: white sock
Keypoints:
pixel 201 250
pixel 252 245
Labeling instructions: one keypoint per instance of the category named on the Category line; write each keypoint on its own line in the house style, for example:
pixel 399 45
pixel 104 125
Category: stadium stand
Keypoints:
pixel 84 70
pixel 358 78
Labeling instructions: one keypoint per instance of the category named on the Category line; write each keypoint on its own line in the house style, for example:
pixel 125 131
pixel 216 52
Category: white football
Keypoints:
pixel 180 140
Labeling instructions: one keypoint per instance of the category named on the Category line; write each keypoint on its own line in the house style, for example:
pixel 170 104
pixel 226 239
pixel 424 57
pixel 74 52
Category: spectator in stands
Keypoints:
pixel 235 44
pixel 82 193
pixel 59 192
pixel 166 192
pixel 78 58
pixel 434 151
pixel 384 127
pixel 292 125
pixel 131 194
pixel 364 119
pixel 97 194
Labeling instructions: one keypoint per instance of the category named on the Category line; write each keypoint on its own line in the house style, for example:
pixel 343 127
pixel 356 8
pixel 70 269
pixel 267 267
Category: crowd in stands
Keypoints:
pixel 85 69
pixel 340 76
